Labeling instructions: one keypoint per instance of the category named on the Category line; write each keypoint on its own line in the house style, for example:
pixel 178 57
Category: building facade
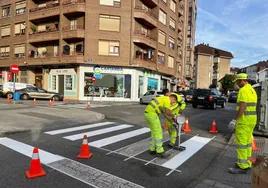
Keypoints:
pixel 253 70
pixel 210 65
pixel 128 46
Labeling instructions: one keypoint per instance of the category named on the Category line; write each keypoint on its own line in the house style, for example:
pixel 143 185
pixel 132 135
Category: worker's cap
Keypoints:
pixel 241 76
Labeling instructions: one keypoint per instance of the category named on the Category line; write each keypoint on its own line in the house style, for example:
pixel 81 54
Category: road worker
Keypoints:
pixel 244 123
pixel 157 106
pixel 176 109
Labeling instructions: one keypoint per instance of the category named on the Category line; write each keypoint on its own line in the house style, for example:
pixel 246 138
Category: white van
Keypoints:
pixel 8 88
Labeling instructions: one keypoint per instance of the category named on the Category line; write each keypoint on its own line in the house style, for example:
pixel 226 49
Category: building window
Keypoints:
pixel 20 7
pixel 20 28
pixel 115 3
pixel 162 17
pixel 171 43
pixel 108 85
pixel 170 62
pixel 23 76
pixel 140 89
pixel 110 48
pixel 161 37
pixel 109 23
pixel 172 6
pixel 172 24
pixel 54 82
pixel 6 11
pixel 5 31
pixel 161 58
pixel 4 51
pixel 68 82
pixel 19 50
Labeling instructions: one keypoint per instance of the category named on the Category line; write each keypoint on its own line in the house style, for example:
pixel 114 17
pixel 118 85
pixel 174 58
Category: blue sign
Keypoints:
pixel 98 76
pixel 89 60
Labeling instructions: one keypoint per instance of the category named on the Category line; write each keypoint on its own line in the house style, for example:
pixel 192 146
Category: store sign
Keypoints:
pixel 99 70
pixel 62 71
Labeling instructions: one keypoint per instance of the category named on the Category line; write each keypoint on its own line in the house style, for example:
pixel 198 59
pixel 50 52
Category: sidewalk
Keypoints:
pixel 217 175
pixel 21 118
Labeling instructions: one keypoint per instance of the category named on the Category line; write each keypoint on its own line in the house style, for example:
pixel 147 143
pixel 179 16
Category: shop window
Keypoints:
pixel 109 85
pixel 68 82
pixel 140 90
pixel 152 84
pixel 53 82
pixel 109 23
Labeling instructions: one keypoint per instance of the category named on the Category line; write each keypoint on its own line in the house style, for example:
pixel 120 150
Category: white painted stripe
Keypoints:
pixel 86 174
pixel 60 131
pixel 97 132
pixel 27 150
pixel 192 145
pixel 117 138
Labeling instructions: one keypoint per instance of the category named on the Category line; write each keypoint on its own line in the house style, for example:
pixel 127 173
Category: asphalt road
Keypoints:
pixel 120 156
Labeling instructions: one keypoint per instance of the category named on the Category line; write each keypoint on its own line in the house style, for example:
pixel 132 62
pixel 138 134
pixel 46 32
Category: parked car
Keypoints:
pixel 8 88
pixel 232 96
pixel 149 96
pixel 39 93
pixel 188 95
pixel 208 98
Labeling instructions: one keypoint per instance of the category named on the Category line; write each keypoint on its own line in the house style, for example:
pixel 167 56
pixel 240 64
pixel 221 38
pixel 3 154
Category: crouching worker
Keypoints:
pixel 176 109
pixel 157 106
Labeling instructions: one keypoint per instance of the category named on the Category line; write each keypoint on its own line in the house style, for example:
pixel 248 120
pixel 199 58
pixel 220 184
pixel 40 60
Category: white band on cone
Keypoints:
pixel 35 156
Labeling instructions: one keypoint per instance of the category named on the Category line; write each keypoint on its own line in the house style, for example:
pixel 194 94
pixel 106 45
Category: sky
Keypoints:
pixel 237 26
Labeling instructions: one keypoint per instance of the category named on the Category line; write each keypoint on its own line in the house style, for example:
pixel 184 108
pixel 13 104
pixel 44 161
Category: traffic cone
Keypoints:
pixel 165 127
pixel 85 152
pixel 50 103
pixel 8 99
pixel 53 100
pixel 252 160
pixel 213 127
pixel 88 105
pixel 186 127
pixel 34 101
pixel 36 169
pixel 63 100
pixel 254 146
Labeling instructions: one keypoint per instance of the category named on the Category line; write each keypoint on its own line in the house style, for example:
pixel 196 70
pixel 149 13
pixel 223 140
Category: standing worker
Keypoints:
pixel 176 109
pixel 157 106
pixel 244 123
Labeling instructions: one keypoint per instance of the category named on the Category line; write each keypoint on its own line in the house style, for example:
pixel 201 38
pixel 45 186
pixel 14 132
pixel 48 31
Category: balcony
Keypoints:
pixel 150 3
pixel 145 17
pixel 46 11
pixel 216 60
pixel 180 37
pixel 180 26
pixel 76 31
pixel 71 6
pixel 189 73
pixel 144 62
pixel 46 35
pixel 143 40
pixel 47 58
pixel 72 57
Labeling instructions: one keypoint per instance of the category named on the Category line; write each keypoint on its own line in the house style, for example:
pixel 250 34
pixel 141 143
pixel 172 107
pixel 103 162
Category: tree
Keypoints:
pixel 227 82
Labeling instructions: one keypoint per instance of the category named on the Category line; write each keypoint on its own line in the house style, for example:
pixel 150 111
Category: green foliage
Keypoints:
pixel 227 82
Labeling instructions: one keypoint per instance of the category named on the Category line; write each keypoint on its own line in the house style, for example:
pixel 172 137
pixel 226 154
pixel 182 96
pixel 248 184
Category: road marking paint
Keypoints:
pixel 117 138
pixel 194 144
pixel 60 131
pixel 28 150
pixel 86 174
pixel 98 132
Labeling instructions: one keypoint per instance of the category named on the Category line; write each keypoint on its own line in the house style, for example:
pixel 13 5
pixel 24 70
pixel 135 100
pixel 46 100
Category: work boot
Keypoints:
pixel 237 170
pixel 163 155
pixel 152 152
pixel 171 145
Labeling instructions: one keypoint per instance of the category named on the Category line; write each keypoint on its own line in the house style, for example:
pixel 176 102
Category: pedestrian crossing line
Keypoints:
pixel 145 147
pixel 97 132
pixel 81 172
pixel 67 130
pixel 117 138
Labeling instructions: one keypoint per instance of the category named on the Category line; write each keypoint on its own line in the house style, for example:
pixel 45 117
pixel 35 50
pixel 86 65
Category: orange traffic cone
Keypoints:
pixel 88 105
pixel 35 166
pixel 254 146
pixel 85 152
pixel 252 160
pixel 63 100
pixel 165 127
pixel 53 100
pixel 186 127
pixel 34 101
pixel 50 103
pixel 213 127
pixel 8 99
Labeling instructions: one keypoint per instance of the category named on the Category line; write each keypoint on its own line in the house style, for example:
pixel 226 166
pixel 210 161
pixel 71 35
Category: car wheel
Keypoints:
pixel 24 97
pixel 10 95
pixel 141 102
pixel 56 98
pixel 223 105
pixel 214 106
pixel 194 105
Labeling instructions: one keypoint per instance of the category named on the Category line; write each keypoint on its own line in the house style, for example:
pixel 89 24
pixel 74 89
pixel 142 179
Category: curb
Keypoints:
pixel 10 132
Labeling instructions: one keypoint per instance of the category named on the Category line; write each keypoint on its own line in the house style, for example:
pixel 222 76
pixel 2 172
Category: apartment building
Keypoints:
pixel 211 64
pixel 252 70
pixel 128 46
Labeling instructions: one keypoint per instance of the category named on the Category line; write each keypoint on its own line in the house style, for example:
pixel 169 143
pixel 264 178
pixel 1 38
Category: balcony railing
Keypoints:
pixel 50 30
pixel 73 53
pixel 142 33
pixel 73 2
pixel 45 7
pixel 144 57
pixel 146 11
pixel 44 55
pixel 73 27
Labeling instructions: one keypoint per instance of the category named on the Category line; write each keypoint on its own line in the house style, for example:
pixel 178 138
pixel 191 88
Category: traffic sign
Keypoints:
pixel 14 68
pixel 93 79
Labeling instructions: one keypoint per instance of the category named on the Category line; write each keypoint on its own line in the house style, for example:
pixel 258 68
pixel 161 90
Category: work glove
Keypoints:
pixel 232 124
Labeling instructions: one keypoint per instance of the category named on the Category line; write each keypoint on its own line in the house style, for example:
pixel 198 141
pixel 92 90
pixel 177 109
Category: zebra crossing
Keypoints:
pixel 132 142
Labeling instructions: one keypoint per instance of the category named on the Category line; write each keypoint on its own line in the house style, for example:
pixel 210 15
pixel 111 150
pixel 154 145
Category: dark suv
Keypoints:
pixel 208 98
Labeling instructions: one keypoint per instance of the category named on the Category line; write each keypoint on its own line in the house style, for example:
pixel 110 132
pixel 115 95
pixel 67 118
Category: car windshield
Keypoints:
pixel 202 92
